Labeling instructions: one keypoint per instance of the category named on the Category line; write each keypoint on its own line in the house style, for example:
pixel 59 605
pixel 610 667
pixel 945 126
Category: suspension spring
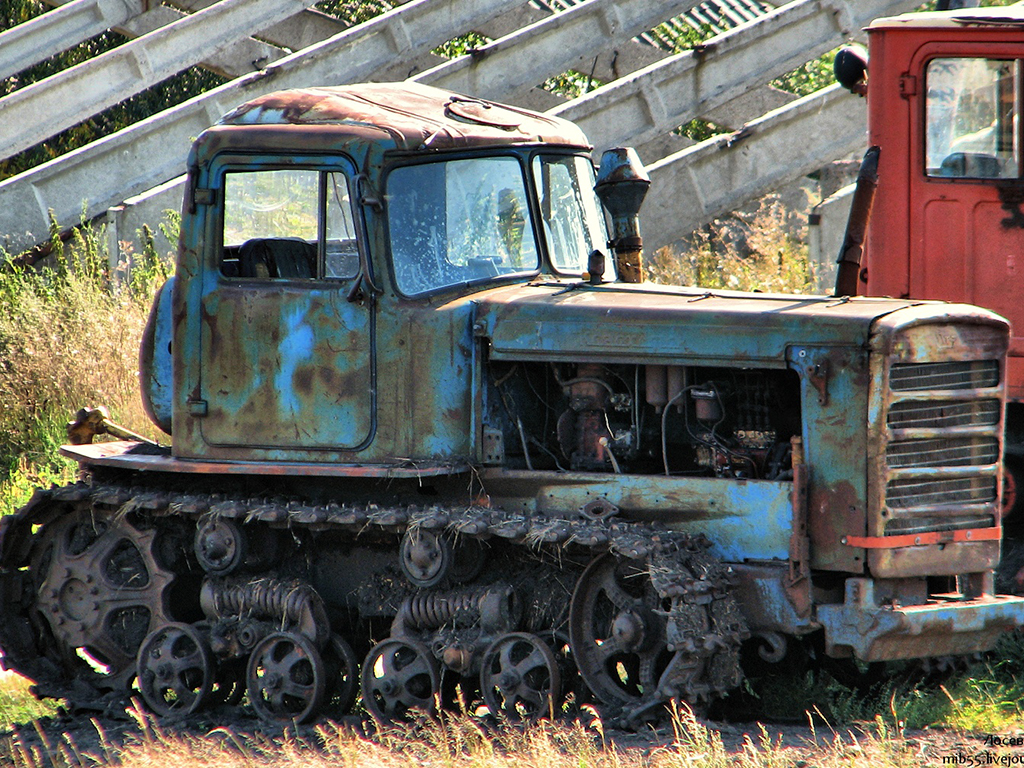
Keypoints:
pixel 490 608
pixel 291 604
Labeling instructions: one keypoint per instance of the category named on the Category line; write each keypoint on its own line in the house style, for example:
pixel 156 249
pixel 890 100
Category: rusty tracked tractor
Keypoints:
pixel 429 425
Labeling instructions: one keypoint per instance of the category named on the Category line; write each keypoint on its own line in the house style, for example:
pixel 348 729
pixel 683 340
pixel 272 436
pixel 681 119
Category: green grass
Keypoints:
pixel 17 705
pixel 69 337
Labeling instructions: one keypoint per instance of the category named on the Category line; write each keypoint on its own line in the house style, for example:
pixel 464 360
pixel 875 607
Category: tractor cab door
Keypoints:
pixel 967 191
pixel 287 336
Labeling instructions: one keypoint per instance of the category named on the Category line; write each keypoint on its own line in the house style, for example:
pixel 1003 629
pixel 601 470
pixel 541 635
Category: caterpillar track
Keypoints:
pixel 224 594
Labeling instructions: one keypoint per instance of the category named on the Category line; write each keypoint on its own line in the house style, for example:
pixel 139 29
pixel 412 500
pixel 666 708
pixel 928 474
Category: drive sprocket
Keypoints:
pixel 100 589
pixel 646 630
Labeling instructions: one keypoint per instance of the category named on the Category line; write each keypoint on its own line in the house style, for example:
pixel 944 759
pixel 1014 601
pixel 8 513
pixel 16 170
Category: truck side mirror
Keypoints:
pixel 851 69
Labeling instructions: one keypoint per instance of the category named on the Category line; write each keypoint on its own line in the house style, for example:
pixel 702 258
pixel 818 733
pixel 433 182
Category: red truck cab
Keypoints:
pixel 945 94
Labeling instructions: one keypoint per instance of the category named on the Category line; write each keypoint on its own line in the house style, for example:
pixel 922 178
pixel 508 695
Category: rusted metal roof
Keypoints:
pixel 416 116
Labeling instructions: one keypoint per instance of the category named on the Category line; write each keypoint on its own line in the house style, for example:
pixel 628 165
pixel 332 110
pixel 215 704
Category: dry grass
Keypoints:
pixel 763 252
pixel 467 742
pixel 69 337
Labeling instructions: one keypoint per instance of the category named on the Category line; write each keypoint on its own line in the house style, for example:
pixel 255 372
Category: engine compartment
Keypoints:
pixel 642 419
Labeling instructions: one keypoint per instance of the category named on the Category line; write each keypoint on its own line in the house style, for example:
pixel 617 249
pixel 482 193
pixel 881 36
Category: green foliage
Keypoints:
pixel 150 269
pixel 571 84
pixel 679 37
pixel 808 78
pixel 354 12
pixel 699 130
pixel 461 45
pixel 17 705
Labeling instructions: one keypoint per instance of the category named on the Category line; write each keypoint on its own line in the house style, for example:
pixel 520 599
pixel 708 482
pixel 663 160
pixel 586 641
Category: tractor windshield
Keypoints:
pixel 570 212
pixel 459 222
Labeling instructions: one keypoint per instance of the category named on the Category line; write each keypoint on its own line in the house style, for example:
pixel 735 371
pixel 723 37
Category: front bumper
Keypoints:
pixel 861 628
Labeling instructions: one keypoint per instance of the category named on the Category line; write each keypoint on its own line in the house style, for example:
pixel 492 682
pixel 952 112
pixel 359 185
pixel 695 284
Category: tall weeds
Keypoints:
pixel 69 337
pixel 765 251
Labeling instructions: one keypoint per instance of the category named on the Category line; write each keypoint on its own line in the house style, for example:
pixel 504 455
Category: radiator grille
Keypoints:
pixel 944 414
pixel 927 523
pixel 970 374
pixel 953 440
pixel 943 452
pixel 901 494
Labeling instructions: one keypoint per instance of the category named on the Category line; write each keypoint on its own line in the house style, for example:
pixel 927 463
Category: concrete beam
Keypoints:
pixel 40 38
pixel 149 153
pixel 514 64
pixel 240 58
pixel 637 108
pixel 715 176
pixel 826 228
pixel 49 106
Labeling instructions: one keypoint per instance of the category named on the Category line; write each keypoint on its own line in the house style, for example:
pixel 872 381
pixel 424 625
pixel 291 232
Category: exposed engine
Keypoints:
pixel 646 419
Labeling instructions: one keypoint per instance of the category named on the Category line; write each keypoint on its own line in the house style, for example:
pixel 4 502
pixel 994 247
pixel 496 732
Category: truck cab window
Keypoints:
pixel 289 224
pixel 570 212
pixel 457 222
pixel 971 118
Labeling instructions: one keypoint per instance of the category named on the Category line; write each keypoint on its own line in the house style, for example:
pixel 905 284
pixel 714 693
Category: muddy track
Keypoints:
pixel 101 568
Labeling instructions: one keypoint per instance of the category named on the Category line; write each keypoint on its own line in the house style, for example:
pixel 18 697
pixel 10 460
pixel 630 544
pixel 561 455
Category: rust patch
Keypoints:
pixel 302 380
pixel 211 321
pixel 328 376
pixel 834 512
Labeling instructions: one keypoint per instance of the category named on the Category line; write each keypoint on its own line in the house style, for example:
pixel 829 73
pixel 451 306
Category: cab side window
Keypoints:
pixel 293 224
pixel 971 118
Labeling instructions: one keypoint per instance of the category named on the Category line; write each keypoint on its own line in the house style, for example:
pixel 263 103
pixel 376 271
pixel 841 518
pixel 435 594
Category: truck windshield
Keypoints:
pixel 457 222
pixel 971 118
pixel 570 213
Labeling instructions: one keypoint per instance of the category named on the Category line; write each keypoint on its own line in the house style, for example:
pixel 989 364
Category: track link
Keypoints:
pixel 693 616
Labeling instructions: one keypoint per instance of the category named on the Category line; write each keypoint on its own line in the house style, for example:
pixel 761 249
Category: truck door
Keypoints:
pixel 967 221
pixel 286 345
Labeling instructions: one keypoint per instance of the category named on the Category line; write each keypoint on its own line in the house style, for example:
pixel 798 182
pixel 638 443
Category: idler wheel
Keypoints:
pixel 425 557
pixel 618 638
pixel 286 678
pixel 219 545
pixel 400 677
pixel 175 670
pixel 519 678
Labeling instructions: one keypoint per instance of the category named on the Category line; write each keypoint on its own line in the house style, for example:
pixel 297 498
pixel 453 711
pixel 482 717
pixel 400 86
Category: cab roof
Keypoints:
pixel 1010 16
pixel 414 116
